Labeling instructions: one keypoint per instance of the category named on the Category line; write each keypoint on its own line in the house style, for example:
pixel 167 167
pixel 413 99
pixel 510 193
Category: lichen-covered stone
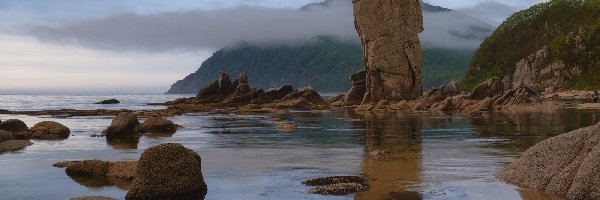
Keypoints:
pixel 124 125
pixel 158 125
pixel 168 172
pixel 50 130
pixel 13 125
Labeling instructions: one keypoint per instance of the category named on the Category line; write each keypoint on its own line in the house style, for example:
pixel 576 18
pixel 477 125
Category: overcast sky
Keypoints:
pixel 143 46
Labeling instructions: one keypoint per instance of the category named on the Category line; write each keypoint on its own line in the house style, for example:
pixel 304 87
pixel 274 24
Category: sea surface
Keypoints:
pixel 433 155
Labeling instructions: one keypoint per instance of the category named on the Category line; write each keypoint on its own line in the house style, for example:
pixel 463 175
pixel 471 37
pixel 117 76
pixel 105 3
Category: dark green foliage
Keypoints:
pixel 554 24
pixel 324 64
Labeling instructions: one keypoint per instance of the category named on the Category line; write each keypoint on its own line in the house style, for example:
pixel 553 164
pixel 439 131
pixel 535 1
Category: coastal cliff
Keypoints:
pixel 392 50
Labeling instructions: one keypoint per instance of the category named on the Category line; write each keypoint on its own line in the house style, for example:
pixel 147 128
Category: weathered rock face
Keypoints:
pixel 50 130
pixel 168 171
pixel 123 125
pixel 359 87
pixel 393 57
pixel 565 165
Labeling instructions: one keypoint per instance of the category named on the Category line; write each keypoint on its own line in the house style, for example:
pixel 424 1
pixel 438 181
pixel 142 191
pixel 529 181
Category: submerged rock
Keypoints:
pixel 168 171
pixel 566 165
pixel 158 125
pixel 337 185
pixel 93 198
pixel 50 130
pixel 286 127
pixel 13 125
pixel 389 34
pixel 123 125
pixel 109 101
pixel 88 168
pixel 14 145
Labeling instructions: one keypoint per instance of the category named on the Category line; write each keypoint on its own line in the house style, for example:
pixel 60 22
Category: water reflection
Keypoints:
pixel 394 177
pixel 124 143
pixel 98 182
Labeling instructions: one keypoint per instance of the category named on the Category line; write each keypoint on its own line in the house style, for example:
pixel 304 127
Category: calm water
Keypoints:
pixel 433 156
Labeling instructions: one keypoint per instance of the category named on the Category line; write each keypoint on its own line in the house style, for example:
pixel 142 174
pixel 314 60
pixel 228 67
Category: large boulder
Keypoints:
pixel 50 130
pixel 356 94
pixel 158 125
pixel 13 125
pixel 124 125
pixel 566 165
pixel 389 34
pixel 168 171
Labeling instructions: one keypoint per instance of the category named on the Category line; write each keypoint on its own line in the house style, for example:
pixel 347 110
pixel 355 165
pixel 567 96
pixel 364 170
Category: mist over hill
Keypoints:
pixel 325 62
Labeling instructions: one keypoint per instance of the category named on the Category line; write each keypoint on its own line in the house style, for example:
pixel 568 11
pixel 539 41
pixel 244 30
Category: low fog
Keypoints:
pixel 213 29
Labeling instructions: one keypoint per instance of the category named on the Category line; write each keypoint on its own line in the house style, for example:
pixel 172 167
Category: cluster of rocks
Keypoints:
pixel 126 125
pixel 15 135
pixel 337 185
pixel 491 95
pixel 238 93
pixel 566 165
pixel 167 171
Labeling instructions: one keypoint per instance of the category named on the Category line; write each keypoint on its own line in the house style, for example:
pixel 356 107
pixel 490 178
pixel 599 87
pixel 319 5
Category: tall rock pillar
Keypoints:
pixel 389 30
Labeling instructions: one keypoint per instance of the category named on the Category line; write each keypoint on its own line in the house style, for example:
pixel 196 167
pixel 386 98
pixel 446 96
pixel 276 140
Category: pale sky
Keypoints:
pixel 73 47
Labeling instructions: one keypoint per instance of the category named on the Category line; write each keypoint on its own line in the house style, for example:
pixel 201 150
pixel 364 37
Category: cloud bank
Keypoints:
pixel 213 29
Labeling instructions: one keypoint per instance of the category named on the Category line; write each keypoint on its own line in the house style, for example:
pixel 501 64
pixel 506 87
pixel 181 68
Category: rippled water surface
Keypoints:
pixel 433 155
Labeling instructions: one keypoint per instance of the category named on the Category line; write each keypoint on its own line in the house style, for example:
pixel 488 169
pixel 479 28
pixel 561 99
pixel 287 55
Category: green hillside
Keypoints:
pixel 570 29
pixel 324 64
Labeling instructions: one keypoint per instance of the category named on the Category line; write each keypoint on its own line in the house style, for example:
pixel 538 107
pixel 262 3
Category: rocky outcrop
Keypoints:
pixel 158 125
pixel 535 71
pixel 490 88
pixel 50 130
pixel 303 98
pixel 566 165
pixel 437 95
pixel 392 50
pixel 124 125
pixel 109 101
pixel 168 171
pixel 13 125
pixel 359 88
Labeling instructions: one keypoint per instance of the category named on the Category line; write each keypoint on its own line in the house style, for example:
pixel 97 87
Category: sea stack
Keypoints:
pixel 392 51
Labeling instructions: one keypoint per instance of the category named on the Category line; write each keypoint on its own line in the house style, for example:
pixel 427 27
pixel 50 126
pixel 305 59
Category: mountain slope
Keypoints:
pixel 326 63
pixel 553 45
